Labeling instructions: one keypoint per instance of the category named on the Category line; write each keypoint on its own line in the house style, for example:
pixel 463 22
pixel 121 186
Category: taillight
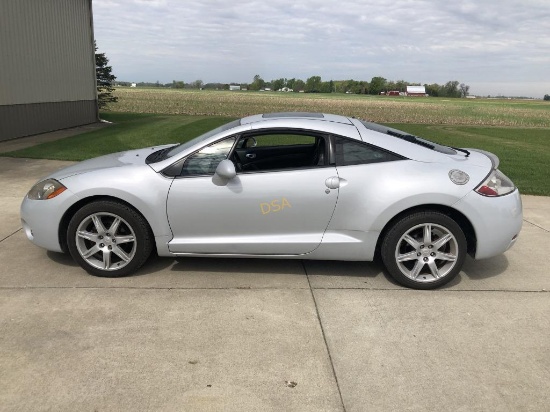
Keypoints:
pixel 497 184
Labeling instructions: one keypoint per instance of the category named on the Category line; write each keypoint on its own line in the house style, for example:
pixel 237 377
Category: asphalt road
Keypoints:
pixel 268 335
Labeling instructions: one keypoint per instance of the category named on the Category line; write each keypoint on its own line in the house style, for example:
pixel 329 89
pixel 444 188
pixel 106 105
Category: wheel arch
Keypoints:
pixel 454 214
pixel 70 212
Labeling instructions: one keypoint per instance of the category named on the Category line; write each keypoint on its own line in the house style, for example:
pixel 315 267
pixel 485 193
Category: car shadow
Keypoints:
pixel 61 258
pixel 472 270
pixel 478 270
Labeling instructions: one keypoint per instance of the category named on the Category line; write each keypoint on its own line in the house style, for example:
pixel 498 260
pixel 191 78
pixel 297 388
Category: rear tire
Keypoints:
pixel 109 239
pixel 424 250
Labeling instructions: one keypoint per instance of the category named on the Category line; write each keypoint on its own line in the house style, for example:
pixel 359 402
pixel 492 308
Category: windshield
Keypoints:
pixel 198 139
pixel 409 137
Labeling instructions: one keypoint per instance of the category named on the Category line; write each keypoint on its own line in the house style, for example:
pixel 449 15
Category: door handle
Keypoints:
pixel 250 155
pixel 333 182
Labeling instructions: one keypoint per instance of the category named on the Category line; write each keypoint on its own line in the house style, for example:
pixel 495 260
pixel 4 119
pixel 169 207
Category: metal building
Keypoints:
pixel 47 66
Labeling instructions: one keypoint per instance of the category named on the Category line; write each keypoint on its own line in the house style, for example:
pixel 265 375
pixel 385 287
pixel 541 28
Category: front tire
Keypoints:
pixel 109 239
pixel 424 250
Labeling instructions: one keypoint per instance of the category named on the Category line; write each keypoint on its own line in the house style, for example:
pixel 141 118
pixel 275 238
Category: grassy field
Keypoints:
pixel 382 109
pixel 524 152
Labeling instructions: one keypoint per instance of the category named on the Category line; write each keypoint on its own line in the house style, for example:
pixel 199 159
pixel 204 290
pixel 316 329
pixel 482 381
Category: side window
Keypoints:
pixel 279 150
pixel 206 160
pixel 350 152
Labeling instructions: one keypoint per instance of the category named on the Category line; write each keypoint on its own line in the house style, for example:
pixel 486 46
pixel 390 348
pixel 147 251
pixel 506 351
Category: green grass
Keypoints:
pixel 524 152
pixel 130 131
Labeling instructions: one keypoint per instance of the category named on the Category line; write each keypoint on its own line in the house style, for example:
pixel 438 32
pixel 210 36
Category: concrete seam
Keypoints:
pixel 324 339
pixel 270 288
pixel 534 224
pixel 10 235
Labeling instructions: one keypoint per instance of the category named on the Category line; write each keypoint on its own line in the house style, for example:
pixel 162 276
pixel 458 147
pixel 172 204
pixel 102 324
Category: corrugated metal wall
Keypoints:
pixel 46 57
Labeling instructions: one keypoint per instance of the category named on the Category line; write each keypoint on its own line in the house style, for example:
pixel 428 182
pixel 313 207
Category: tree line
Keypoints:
pixel 315 84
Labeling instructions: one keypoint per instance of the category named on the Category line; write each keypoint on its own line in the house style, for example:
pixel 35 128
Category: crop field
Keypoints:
pixel 472 112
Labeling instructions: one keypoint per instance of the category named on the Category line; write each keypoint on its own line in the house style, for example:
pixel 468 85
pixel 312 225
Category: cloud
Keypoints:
pixel 425 41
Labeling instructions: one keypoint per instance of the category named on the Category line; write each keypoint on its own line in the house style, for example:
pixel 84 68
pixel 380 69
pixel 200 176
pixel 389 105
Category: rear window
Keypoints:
pixel 409 137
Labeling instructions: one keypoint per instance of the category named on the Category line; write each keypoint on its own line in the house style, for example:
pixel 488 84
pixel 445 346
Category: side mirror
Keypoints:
pixel 226 169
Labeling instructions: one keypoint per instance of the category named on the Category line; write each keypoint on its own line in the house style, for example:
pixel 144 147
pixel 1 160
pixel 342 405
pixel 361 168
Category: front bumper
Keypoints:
pixel 497 221
pixel 41 219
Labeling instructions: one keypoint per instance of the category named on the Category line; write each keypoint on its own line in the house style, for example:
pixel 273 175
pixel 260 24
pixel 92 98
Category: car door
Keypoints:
pixel 279 206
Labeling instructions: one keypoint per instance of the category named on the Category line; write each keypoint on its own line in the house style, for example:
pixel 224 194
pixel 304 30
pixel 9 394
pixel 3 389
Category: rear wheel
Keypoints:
pixel 109 239
pixel 424 250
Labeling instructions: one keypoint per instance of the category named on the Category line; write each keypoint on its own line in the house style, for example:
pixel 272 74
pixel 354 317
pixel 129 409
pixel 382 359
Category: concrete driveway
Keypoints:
pixel 268 335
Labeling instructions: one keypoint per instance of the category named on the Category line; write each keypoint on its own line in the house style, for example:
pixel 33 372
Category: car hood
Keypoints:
pixel 120 159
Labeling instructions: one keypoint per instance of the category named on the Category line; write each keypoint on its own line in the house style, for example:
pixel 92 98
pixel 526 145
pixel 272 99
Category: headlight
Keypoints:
pixel 497 184
pixel 46 189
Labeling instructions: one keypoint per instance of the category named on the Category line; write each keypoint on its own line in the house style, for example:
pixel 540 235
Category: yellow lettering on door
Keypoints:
pixel 275 205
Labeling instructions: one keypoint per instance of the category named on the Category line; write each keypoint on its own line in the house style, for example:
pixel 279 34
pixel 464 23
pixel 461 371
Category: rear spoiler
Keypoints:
pixel 494 159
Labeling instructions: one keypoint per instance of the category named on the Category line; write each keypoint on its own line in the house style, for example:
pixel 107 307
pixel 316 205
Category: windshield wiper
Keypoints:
pixel 461 150
pixel 410 138
pixel 157 156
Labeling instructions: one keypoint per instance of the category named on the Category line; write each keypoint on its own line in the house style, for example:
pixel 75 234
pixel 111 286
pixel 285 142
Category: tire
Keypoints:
pixel 424 250
pixel 109 239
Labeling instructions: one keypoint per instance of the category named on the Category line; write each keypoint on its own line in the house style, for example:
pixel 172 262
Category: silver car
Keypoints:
pixel 282 185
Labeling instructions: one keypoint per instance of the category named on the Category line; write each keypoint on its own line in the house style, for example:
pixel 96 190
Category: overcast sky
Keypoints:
pixel 495 46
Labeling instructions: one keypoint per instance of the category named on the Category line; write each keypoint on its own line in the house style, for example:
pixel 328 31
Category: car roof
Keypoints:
pixel 296 115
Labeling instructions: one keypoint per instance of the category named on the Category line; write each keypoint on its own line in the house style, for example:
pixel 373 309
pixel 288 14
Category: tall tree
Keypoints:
pixel 377 85
pixel 313 84
pixel 464 89
pixel 257 83
pixel 105 80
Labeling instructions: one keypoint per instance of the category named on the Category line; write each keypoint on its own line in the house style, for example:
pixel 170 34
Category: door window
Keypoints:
pixel 206 160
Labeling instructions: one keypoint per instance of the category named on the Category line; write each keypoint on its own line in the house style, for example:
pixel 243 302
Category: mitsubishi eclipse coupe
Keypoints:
pixel 282 185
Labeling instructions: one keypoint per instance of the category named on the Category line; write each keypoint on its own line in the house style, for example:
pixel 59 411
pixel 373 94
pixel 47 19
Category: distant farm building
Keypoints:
pixel 133 85
pixel 232 87
pixel 419 91
pixel 393 93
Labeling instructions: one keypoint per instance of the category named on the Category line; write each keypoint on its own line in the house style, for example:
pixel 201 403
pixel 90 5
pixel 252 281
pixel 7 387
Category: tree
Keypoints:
pixel 451 89
pixel 464 89
pixel 299 85
pixel 313 84
pixel 546 97
pixel 377 85
pixel 178 84
pixel 104 79
pixel 197 84
pixel 278 84
pixel 258 83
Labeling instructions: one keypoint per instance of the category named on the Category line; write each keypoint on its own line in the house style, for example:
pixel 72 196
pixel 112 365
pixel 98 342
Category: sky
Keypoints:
pixel 497 47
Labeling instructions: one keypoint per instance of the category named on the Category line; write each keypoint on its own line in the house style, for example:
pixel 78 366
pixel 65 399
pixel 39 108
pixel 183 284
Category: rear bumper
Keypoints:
pixel 497 221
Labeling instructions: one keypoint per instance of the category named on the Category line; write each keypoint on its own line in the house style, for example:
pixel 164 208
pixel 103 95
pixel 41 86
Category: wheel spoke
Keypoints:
pixel 114 226
pixel 438 244
pixel 106 259
pixel 427 234
pixel 407 256
pixel 416 269
pixel 90 252
pixel 98 224
pixel 84 234
pixel 445 256
pixel 411 241
pixel 121 253
pixel 124 239
pixel 434 269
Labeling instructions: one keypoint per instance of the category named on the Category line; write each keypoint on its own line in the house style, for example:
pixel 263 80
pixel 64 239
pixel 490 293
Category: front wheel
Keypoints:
pixel 109 239
pixel 424 250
